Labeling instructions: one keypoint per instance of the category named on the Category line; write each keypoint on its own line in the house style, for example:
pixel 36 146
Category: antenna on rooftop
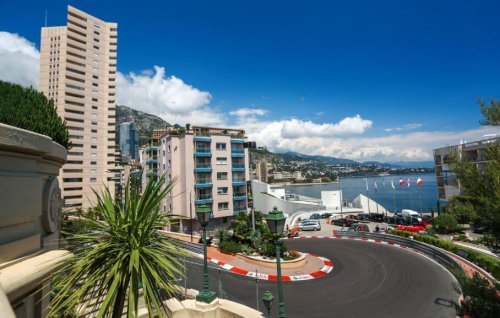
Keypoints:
pixel 45 17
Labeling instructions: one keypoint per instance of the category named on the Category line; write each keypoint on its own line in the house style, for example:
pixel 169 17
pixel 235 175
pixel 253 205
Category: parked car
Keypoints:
pixel 310 225
pixel 365 218
pixel 383 229
pixel 375 217
pixel 343 222
pixel 315 216
pixel 326 215
pixel 358 228
pixel 480 229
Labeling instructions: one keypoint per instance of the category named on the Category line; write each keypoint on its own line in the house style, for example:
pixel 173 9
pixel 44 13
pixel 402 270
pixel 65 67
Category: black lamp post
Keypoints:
pixel 206 296
pixel 268 302
pixel 276 222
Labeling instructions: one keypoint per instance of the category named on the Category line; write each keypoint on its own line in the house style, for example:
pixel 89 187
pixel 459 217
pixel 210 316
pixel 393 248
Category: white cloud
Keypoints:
pixel 19 60
pixel 247 112
pixel 166 96
pixel 405 127
pixel 295 128
pixel 410 146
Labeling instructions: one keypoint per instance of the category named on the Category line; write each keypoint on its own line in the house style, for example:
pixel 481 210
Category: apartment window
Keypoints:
pixel 96 47
pixel 71 153
pixel 94 122
pixel 93 170
pixel 221 160
pixel 94 107
pixel 95 84
pixel 94 130
pixel 72 180
pixel 75 162
pixel 95 76
pixel 221 175
pixel 94 99
pixel 96 33
pixel 223 206
pixel 93 154
pixel 97 25
pixel 93 179
pixel 168 148
pixel 93 146
pixel 222 190
pixel 69 197
pixel 73 170
pixel 220 146
pixel 93 162
pixel 73 189
pixel 93 139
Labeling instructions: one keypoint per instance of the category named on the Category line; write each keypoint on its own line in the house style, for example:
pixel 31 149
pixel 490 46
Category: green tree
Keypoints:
pixel 483 298
pixel 26 108
pixel 116 257
pixel 462 210
pixel 481 187
pixel 490 112
pixel 445 223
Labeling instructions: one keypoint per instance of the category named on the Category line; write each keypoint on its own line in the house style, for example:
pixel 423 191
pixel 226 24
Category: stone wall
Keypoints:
pixel 30 209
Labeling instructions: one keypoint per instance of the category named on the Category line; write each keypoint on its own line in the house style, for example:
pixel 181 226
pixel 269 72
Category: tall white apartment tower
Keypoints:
pixel 78 71
pixel 210 165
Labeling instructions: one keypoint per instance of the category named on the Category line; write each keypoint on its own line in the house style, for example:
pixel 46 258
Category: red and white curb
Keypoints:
pixel 327 268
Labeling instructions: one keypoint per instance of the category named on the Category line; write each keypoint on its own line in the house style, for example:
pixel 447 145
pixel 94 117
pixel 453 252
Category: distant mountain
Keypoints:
pixel 295 156
pixel 381 164
pixel 143 122
pixel 413 164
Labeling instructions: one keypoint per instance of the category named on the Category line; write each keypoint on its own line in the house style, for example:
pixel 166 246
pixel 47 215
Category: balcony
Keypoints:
pixel 239 210
pixel 203 167
pixel 203 183
pixel 202 139
pixel 237 141
pixel 239 182
pixel 239 196
pixel 151 161
pixel 238 167
pixel 237 153
pixel 203 199
pixel 151 149
pixel 202 152
pixel 149 174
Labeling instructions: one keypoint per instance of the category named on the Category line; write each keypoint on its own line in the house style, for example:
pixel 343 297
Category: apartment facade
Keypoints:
pixel 78 71
pixel 447 185
pixel 261 171
pixel 211 168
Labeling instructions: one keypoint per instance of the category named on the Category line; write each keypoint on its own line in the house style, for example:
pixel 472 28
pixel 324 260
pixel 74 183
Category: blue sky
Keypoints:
pixel 408 67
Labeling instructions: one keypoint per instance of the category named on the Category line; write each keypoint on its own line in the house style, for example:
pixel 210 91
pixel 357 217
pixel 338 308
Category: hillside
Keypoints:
pixel 144 122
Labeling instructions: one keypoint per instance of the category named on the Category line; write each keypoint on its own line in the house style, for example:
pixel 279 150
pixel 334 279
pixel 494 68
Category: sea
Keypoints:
pixel 402 197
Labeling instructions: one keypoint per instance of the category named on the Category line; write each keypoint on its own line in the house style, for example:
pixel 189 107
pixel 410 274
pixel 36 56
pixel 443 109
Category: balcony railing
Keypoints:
pixel 203 181
pixel 203 165
pixel 237 151
pixel 239 180
pixel 239 194
pixel 202 150
pixel 203 197
pixel 238 165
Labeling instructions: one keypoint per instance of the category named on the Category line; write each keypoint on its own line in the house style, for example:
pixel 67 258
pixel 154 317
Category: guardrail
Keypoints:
pixel 434 253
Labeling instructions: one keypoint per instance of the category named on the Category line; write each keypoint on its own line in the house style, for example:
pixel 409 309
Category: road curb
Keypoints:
pixel 326 269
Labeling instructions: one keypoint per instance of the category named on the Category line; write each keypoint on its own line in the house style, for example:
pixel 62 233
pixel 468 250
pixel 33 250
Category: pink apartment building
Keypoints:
pixel 211 167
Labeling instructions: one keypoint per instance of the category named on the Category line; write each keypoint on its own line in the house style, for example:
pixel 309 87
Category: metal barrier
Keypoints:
pixel 432 252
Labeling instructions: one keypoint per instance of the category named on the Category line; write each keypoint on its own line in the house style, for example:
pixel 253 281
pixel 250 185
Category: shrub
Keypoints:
pixel 229 247
pixel 445 223
pixel 268 249
pixel 486 262
pixel 28 109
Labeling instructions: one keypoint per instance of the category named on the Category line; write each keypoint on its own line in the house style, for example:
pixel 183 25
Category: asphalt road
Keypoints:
pixel 368 280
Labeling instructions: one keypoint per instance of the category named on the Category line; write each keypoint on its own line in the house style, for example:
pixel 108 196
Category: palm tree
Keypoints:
pixel 120 255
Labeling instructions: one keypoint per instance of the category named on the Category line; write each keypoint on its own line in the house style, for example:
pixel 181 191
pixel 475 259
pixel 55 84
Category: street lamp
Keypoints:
pixel 206 296
pixel 276 222
pixel 268 302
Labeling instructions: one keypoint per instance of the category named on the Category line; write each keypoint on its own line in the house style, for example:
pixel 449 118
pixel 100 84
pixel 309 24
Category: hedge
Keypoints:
pixel 29 109
pixel 486 262
pixel 229 247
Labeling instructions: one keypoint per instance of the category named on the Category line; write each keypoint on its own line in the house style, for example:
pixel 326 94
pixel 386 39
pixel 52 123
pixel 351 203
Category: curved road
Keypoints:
pixel 368 280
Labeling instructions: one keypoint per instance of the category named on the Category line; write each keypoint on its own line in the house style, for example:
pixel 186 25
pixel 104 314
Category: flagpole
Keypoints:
pixel 367 195
pixel 385 196
pixel 420 199
pixel 410 197
pixel 394 200
pixel 403 197
pixel 341 203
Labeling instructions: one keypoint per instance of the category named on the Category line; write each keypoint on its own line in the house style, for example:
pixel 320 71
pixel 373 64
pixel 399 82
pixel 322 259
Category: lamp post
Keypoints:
pixel 276 222
pixel 268 302
pixel 206 296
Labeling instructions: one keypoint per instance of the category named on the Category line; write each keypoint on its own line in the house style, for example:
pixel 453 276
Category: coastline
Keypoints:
pixel 281 184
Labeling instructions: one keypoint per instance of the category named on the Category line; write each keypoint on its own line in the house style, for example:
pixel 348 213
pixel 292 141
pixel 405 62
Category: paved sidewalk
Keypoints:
pixel 315 266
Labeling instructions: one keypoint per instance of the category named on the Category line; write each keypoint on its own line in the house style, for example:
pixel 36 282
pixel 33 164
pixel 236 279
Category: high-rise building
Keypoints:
pixel 78 71
pixel 211 167
pixel 261 171
pixel 129 142
pixel 447 185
